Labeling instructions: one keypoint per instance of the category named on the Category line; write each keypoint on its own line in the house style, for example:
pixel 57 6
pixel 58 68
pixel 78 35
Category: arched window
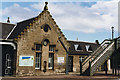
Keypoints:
pixel 46 27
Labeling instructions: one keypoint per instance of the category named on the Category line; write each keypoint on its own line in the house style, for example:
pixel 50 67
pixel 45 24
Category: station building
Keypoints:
pixel 37 46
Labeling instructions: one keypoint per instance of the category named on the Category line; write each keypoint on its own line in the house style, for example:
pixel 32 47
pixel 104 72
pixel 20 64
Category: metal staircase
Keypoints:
pixel 97 58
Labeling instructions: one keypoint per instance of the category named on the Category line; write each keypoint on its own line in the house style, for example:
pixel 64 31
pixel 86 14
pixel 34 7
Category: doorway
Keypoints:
pixel 70 63
pixel 7 60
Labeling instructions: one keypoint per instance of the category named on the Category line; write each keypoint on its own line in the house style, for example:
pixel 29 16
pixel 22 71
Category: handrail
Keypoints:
pixel 102 51
pixel 102 57
pixel 92 53
pixel 95 52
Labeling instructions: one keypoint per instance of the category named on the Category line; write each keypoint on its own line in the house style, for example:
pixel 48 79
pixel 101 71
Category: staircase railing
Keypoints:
pixel 95 54
pixel 101 58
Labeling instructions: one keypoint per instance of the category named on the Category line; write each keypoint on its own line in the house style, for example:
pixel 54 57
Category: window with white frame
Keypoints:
pixel 88 48
pixel 38 60
pixel 78 47
pixel 38 56
pixel 51 57
pixel 51 61
pixel 51 48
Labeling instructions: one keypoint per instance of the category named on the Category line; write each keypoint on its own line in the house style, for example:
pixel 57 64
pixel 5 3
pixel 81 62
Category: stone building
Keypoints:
pixel 37 46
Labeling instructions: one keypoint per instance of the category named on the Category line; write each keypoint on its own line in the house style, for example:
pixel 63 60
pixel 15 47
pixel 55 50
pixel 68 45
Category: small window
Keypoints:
pixel 38 47
pixel 38 61
pixel 81 59
pixel 77 47
pixel 46 28
pixel 51 48
pixel 88 48
pixel 51 61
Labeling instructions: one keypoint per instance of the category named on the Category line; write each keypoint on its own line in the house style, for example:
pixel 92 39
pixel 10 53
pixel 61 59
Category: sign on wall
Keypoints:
pixel 26 60
pixel 60 59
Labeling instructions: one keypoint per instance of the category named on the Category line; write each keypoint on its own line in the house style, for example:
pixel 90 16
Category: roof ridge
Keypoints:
pixel 26 19
pixel 7 23
pixel 80 41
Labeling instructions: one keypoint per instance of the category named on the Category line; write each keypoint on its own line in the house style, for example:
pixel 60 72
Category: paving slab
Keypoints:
pixel 63 77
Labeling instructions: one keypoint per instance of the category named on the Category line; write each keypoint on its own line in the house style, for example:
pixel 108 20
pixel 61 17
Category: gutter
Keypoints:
pixel 9 43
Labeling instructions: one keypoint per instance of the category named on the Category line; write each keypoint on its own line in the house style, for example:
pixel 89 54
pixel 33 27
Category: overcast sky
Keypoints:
pixel 89 21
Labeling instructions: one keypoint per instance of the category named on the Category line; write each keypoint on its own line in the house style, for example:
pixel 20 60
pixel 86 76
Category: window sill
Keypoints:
pixel 89 51
pixel 37 68
pixel 78 50
pixel 50 68
pixel 38 51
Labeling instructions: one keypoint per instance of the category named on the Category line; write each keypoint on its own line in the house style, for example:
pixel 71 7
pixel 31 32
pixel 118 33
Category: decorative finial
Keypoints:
pixel 46 8
pixel 8 21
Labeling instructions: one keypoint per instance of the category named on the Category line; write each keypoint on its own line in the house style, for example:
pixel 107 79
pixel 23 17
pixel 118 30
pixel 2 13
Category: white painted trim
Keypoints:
pixel 37 68
pixel 109 68
pixel 9 43
pixel 6 23
pixel 11 32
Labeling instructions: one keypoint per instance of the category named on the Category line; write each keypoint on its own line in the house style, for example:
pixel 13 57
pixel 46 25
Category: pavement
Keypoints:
pixel 63 77
pixel 97 76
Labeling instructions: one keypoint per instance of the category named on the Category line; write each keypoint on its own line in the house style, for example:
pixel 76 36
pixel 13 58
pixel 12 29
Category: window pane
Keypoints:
pixel 90 48
pixel 38 47
pixel 51 61
pixel 87 47
pixel 79 47
pixel 51 48
pixel 76 46
pixel 38 61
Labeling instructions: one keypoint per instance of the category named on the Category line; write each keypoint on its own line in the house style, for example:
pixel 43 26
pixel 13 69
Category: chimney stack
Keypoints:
pixel 8 21
pixel 97 42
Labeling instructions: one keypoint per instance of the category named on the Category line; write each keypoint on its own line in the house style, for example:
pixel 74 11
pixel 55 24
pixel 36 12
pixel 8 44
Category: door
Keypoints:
pixel 70 63
pixel 8 64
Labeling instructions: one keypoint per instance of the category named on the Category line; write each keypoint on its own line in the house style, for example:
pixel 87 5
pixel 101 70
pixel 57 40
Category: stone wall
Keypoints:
pixel 76 65
pixel 35 34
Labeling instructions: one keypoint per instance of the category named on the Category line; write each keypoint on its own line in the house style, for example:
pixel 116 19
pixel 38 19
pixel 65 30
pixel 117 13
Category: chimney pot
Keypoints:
pixel 8 21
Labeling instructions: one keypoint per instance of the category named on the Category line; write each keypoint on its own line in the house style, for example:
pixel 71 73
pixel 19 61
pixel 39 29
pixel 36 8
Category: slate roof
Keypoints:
pixel 20 27
pixel 83 51
pixel 5 29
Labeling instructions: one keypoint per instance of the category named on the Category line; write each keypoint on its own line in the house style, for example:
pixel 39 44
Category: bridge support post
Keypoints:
pixel 113 69
pixel 115 56
pixel 90 69
pixel 108 62
pixel 80 67
pixel 106 69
